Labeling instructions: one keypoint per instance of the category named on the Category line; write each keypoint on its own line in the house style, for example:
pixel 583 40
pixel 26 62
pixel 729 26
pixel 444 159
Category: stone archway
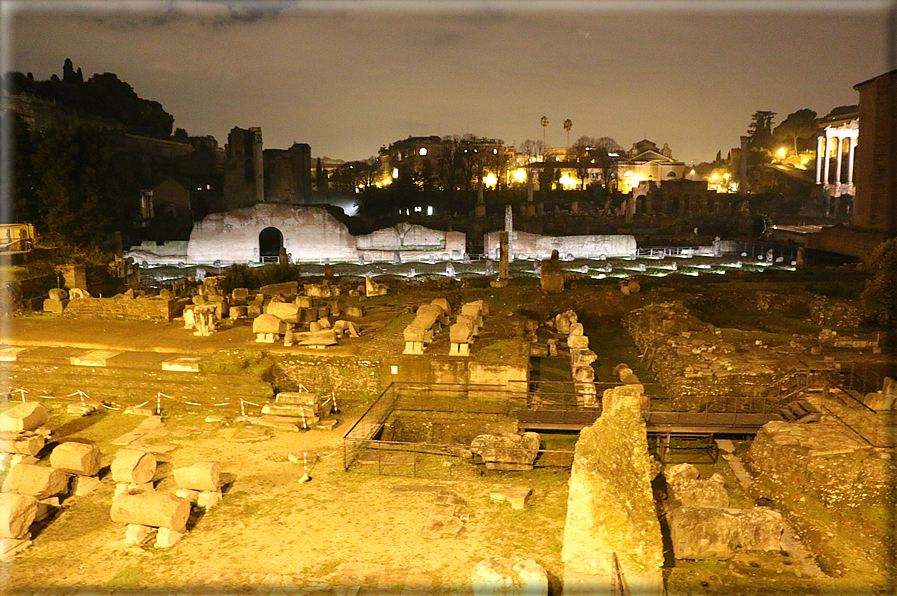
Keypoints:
pixel 270 243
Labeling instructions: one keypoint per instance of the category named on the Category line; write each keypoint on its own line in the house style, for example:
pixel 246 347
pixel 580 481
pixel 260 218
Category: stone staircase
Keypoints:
pixel 127 379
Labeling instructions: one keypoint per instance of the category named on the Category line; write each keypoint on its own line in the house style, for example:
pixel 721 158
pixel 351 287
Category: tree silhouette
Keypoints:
pixel 798 125
pixel 77 196
pixel 760 129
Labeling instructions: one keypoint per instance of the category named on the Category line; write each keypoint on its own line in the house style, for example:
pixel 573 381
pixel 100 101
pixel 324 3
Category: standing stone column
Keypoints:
pixel 827 160
pixel 509 228
pixel 850 161
pixel 504 248
pixel 838 161
pixel 820 150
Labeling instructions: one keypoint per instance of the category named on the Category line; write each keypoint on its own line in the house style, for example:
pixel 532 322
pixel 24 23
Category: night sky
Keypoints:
pixel 349 76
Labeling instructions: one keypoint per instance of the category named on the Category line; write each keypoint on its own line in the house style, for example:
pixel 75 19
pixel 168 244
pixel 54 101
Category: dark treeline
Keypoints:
pixel 103 96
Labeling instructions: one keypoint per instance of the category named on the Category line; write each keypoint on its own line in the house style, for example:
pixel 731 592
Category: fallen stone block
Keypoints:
pixel 287 288
pixel 83 485
pixel 78 458
pixel 26 416
pixel 133 466
pixel 285 311
pixel 507 451
pixel 204 476
pixel 166 537
pixel 40 482
pixel 21 442
pixel 17 513
pixel 55 306
pixel 717 533
pixel 277 422
pixel 306 414
pixel 156 509
pixel 515 495
pixel 267 324
pixel 320 339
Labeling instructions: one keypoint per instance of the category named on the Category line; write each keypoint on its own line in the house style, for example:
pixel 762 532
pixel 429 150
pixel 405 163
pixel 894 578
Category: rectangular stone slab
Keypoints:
pixel 93 358
pixel 183 364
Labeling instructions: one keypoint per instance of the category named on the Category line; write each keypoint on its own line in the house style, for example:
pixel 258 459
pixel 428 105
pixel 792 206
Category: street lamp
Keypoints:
pixel 544 123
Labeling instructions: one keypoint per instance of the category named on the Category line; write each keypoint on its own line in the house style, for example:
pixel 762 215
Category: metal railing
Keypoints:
pixel 438 398
pixel 618 585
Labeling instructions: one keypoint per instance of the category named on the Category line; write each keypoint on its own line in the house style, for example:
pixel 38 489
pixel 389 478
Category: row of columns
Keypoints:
pixel 844 134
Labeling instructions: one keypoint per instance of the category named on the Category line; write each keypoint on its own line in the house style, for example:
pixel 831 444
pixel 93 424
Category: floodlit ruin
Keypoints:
pixel 564 432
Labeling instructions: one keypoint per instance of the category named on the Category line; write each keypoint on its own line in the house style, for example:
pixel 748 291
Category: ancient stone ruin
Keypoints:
pixel 507 451
pixel 612 526
pixel 703 526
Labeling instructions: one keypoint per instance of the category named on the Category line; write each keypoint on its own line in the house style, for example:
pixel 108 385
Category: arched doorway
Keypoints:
pixel 270 243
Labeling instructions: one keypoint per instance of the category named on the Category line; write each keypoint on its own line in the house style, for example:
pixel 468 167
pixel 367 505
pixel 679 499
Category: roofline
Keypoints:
pixel 884 74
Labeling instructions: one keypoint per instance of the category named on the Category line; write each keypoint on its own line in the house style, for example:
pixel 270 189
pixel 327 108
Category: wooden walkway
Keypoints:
pixel 657 422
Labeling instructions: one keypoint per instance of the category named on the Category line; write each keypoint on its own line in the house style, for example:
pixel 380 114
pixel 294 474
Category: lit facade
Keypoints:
pixel 645 162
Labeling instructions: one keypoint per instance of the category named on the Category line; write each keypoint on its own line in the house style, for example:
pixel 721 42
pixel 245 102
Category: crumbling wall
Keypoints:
pixel 692 359
pixel 610 508
pixel 327 373
pixel 526 245
pixel 825 459
pixel 826 312
pixel 309 234
pixel 126 307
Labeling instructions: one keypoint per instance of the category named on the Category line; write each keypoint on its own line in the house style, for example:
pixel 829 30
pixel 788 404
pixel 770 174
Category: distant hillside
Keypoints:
pixel 102 95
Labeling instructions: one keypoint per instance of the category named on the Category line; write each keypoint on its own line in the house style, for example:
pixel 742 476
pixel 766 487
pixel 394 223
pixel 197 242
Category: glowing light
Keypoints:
pixel 395 172
pixel 715 177
pixel 520 175
pixel 423 151
pixel 782 152
pixel 629 173
pixel 567 182
pixel 429 210
pixel 490 180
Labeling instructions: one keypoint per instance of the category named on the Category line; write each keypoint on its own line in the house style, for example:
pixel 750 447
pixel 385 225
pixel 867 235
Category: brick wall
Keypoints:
pixel 144 309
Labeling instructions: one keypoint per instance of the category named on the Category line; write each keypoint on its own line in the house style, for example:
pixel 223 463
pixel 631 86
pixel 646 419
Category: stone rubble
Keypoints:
pixel 507 451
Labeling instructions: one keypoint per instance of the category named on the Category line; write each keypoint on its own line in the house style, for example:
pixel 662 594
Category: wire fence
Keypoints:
pixel 155 403
pixel 364 448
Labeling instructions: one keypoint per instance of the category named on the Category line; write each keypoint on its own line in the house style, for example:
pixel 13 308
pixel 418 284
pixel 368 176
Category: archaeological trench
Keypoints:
pixel 451 435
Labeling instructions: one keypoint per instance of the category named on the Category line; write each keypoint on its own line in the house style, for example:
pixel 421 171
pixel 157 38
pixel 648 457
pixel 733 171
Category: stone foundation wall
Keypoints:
pixel 835 313
pixel 328 373
pixel 121 306
pixel 825 459
pixel 535 246
pixel 692 359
